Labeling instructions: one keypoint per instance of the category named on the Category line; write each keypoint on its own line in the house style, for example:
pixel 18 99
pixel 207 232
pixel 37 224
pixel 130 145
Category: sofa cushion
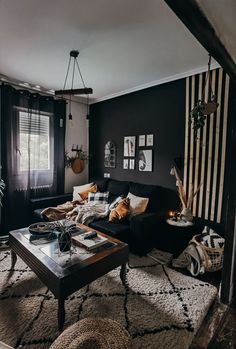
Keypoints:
pixel 120 212
pixel 117 188
pixel 138 204
pixel 115 202
pixel 98 198
pixel 147 191
pixel 79 189
pixel 84 194
pixel 117 230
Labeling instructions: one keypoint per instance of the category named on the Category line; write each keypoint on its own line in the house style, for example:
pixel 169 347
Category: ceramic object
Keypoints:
pixel 186 215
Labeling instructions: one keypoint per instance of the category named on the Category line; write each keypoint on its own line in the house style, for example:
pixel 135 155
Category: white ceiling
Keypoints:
pixel 124 45
pixel 222 15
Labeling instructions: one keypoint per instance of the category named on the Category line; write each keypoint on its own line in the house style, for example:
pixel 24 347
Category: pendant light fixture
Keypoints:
pixel 202 108
pixel 72 92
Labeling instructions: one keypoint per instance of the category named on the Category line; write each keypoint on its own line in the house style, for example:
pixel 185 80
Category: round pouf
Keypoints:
pixel 94 333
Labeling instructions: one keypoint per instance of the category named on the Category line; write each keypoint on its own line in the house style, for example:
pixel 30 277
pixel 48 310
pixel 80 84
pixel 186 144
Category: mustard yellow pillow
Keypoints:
pixel 120 212
pixel 84 194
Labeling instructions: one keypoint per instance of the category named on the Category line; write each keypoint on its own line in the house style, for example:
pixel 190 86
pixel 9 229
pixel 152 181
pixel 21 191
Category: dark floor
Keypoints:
pixel 226 335
pixel 218 330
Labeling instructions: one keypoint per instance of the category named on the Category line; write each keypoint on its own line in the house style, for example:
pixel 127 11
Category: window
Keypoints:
pixel 34 142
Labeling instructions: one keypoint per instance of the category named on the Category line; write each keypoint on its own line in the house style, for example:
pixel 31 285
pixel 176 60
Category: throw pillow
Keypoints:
pixel 80 189
pixel 115 202
pixel 84 194
pixel 120 212
pixel 99 198
pixel 137 204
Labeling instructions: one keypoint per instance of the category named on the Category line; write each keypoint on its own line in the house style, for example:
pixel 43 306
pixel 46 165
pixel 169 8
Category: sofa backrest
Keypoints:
pixel 117 188
pixel 160 198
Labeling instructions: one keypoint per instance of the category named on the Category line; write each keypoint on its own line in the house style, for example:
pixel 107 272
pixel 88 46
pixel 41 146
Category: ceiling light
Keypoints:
pixel 79 91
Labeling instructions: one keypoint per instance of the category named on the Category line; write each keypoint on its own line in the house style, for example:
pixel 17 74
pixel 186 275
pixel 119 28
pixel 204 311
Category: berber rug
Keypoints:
pixel 160 308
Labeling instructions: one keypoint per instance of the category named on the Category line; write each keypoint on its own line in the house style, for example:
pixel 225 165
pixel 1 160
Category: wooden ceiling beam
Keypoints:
pixel 195 20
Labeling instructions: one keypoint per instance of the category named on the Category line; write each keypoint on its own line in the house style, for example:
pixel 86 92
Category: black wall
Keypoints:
pixel 158 110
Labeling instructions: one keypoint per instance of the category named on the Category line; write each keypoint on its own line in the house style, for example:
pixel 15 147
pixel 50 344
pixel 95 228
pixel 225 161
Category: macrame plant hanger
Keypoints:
pixel 202 108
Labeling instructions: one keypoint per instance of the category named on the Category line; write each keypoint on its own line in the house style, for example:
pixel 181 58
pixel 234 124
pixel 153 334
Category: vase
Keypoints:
pixel 64 241
pixel 186 215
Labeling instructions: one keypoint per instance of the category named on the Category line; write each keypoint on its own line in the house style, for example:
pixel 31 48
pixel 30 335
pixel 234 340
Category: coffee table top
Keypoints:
pixel 50 264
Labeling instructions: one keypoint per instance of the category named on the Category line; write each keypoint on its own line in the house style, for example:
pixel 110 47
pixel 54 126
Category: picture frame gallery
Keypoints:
pixel 145 156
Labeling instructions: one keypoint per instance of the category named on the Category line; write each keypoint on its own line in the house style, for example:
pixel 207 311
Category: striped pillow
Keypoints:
pixel 99 198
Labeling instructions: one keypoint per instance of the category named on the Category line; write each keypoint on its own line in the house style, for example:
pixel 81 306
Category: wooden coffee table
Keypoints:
pixel 65 273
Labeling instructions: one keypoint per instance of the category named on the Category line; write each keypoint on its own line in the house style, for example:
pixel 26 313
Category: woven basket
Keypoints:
pixel 213 256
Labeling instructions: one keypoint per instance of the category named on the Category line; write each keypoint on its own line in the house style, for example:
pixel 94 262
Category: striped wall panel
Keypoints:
pixel 204 156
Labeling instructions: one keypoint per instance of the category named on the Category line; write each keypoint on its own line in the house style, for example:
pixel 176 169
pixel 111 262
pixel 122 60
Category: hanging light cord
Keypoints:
pixel 81 77
pixel 208 76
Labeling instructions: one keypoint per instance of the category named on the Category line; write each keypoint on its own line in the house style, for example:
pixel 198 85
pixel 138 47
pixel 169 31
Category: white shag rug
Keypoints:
pixel 160 308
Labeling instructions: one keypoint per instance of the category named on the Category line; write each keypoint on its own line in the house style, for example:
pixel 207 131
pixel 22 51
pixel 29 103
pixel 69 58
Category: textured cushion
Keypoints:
pixel 115 202
pixel 84 194
pixel 100 198
pixel 147 191
pixel 118 187
pixel 80 189
pixel 120 212
pixel 137 204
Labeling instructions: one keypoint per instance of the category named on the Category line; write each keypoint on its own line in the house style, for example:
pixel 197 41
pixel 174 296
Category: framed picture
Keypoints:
pixel 141 140
pixel 150 141
pixel 129 146
pixel 145 160
pixel 125 164
pixel 131 164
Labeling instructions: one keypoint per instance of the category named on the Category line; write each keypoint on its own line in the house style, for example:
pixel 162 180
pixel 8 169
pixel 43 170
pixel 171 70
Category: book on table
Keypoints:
pixel 89 244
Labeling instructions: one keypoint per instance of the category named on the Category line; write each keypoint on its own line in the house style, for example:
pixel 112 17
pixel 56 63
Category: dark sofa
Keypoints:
pixel 139 231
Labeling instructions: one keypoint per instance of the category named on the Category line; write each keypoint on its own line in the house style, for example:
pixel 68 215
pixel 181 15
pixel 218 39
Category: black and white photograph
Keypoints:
pixel 150 141
pixel 129 146
pixel 141 140
pixel 125 164
pixel 145 160
pixel 131 164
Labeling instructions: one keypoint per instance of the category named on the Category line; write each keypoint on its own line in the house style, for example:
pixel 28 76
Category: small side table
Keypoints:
pixel 179 223
pixel 174 238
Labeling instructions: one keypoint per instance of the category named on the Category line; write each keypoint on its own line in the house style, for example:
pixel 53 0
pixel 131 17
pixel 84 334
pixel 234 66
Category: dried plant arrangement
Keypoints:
pixel 185 201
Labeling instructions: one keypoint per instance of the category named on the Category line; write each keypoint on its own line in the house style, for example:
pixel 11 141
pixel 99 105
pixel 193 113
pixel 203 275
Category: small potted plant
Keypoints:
pixel 64 237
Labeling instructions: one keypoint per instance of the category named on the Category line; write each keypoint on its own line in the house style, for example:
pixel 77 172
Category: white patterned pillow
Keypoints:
pixel 137 204
pixel 116 202
pixel 211 239
pixel 98 198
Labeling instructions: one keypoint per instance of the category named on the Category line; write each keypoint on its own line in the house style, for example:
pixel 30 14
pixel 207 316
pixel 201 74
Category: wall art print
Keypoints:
pixel 150 140
pixel 125 164
pixel 145 160
pixel 131 164
pixel 129 146
pixel 110 155
pixel 141 140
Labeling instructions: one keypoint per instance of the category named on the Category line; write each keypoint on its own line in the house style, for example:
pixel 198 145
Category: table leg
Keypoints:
pixel 61 313
pixel 13 259
pixel 123 273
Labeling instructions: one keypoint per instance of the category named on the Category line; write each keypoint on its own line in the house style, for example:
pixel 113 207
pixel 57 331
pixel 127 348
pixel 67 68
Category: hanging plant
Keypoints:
pixel 202 109
pixel 76 162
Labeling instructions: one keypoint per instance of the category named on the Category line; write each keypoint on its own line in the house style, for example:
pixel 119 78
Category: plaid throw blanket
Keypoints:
pixel 88 212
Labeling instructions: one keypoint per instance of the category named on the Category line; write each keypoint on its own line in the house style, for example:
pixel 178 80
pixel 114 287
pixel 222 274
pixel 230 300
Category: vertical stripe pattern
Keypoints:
pixel 204 157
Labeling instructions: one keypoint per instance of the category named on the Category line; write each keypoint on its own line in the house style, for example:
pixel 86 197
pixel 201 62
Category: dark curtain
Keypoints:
pixel 32 152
